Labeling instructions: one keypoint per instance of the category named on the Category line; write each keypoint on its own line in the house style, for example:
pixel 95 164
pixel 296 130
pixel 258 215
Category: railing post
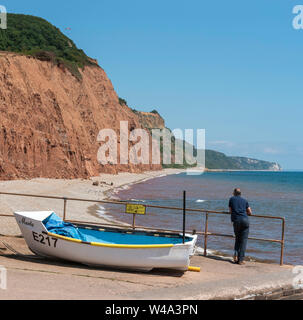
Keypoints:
pixel 282 242
pixel 184 214
pixel 134 221
pixel 64 208
pixel 205 234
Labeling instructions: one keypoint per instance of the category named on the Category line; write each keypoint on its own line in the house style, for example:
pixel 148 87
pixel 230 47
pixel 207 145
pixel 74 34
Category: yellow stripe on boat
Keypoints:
pixel 63 237
pixel 112 245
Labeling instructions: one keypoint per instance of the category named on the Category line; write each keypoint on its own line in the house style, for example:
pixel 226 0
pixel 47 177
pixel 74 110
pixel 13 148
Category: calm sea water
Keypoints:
pixel 268 193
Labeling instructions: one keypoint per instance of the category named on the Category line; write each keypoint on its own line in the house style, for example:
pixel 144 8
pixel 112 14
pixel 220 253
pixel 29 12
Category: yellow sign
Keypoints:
pixel 135 208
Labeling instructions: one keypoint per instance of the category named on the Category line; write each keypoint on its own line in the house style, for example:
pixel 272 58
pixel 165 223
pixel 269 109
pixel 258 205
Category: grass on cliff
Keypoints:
pixel 37 37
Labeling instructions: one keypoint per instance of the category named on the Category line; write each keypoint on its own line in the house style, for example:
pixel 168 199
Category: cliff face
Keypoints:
pixel 49 120
pixel 150 120
pixel 254 164
pixel 218 160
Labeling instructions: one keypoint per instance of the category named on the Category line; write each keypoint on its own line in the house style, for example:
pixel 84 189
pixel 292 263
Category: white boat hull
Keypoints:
pixel 43 243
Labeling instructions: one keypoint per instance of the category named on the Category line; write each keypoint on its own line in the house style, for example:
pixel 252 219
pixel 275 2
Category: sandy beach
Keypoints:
pixel 76 188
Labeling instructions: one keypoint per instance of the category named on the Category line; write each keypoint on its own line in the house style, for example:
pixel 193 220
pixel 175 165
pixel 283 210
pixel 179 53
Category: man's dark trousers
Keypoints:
pixel 241 229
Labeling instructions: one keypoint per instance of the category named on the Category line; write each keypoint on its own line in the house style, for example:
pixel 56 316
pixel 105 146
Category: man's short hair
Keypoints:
pixel 237 192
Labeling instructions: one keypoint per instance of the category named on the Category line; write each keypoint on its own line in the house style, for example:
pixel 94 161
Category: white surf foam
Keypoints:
pixel 102 212
pixel 137 200
pixel 200 251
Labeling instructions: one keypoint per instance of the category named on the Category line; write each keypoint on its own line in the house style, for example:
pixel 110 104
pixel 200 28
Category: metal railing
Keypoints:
pixel 204 233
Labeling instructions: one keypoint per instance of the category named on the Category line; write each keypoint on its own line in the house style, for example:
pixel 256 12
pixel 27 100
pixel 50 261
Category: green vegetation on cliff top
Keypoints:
pixel 37 37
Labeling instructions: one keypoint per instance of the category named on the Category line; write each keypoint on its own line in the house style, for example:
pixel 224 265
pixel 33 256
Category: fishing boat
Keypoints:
pixel 48 235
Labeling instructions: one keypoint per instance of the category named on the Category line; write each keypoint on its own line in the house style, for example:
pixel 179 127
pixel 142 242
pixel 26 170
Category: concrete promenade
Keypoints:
pixel 29 277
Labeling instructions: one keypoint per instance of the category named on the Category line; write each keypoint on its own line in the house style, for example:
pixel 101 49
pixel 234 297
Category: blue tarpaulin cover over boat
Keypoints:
pixel 55 224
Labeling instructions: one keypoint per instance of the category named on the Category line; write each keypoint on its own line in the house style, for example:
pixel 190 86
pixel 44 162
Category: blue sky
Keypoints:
pixel 232 67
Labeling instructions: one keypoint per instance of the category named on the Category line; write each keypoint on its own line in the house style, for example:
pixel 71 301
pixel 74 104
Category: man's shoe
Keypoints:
pixel 241 263
pixel 235 259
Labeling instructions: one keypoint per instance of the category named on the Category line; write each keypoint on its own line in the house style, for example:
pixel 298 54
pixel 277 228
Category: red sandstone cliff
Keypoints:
pixel 150 120
pixel 50 120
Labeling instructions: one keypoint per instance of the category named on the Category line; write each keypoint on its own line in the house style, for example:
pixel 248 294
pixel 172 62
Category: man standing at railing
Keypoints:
pixel 240 210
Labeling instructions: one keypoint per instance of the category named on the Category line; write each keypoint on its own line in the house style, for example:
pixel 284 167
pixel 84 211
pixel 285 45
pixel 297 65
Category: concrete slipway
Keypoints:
pixel 29 277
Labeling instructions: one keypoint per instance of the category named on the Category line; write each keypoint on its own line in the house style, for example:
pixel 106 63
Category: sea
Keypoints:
pixel 268 193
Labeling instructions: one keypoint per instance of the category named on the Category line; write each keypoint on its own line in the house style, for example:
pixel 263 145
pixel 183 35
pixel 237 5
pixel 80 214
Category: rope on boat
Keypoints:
pixel 17 253
pixel 7 246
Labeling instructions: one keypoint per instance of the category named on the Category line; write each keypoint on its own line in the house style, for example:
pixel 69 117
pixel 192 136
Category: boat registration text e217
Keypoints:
pixel 45 239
